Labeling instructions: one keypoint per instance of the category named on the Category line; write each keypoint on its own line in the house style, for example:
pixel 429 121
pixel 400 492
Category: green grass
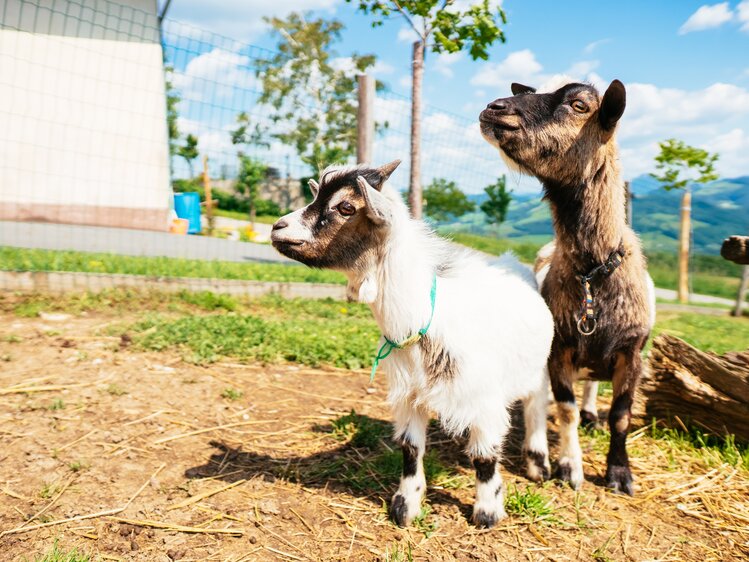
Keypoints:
pixel 706 332
pixel 530 505
pixel 116 390
pixel 232 394
pixel 360 431
pixel 57 404
pixel 495 246
pixel 21 259
pixel 59 555
pixel 274 330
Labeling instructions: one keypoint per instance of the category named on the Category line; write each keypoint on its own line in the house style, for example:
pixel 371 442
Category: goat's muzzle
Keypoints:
pixel 279 238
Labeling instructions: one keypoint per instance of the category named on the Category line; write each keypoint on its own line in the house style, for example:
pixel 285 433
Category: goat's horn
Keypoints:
pixel 388 169
pixel 314 186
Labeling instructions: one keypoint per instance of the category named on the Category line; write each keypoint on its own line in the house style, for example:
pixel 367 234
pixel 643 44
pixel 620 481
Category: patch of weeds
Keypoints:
pixel 48 490
pixel 232 394
pixel 382 471
pixel 598 438
pixel 57 404
pixel 397 553
pixel 12 338
pixel 209 301
pixel 712 449
pixel 425 522
pixel 77 466
pixel 311 340
pixel 600 554
pixel 116 390
pixel 530 504
pixel 362 431
pixel 59 555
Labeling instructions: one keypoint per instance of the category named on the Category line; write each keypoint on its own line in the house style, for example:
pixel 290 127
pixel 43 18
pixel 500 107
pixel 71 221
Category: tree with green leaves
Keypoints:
pixel 445 201
pixel 499 198
pixel 252 172
pixel 678 165
pixel 442 26
pixel 189 151
pixel 312 91
pixel 172 99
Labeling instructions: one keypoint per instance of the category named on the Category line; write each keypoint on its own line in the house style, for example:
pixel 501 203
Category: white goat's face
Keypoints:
pixel 345 221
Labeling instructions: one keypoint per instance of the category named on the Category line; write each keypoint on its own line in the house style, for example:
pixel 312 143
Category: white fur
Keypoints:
pixel 493 322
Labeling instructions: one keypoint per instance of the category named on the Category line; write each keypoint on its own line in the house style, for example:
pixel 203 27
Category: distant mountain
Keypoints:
pixel 719 209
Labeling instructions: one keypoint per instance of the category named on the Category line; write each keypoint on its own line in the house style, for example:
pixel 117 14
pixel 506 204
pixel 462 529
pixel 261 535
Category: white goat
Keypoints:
pixel 480 344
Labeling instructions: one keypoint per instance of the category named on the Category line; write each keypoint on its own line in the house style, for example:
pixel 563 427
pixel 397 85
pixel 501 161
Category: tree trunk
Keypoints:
pixel 684 236
pixel 708 390
pixel 414 186
pixel 365 128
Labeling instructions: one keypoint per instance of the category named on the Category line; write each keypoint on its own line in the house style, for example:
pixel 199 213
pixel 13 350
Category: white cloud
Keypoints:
pixel 582 69
pixel 707 17
pixel 407 35
pixel 706 118
pixel 381 67
pixel 445 61
pixel 519 66
pixel 240 19
pixel 404 82
pixel 216 73
pixel 590 47
pixel 742 14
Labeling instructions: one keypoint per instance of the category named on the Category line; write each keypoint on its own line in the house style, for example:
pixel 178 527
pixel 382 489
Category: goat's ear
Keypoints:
pixel 377 207
pixel 521 89
pixel 314 187
pixel 386 171
pixel 612 105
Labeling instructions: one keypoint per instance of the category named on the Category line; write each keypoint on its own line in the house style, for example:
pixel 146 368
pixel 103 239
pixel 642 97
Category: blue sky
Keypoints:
pixel 685 65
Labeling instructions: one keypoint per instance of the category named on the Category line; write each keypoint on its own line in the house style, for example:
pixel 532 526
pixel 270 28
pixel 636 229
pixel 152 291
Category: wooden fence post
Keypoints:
pixel 365 119
pixel 684 241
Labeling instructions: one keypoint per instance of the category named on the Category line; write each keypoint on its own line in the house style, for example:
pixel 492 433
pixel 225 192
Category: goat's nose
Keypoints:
pixel 497 105
pixel 279 224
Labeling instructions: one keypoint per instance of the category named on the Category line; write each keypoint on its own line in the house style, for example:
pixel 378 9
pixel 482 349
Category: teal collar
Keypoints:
pixel 390 345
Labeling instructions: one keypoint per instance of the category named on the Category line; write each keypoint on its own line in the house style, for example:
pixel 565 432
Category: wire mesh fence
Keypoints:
pixel 100 102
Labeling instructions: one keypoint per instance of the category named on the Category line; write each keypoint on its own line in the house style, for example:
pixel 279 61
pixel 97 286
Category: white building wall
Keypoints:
pixel 82 103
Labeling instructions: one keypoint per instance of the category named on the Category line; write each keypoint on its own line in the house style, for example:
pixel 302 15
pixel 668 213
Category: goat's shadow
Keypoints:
pixel 366 464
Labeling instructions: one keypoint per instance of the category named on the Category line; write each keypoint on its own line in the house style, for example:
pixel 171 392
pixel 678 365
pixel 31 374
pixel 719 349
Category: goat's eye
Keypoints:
pixel 346 208
pixel 579 106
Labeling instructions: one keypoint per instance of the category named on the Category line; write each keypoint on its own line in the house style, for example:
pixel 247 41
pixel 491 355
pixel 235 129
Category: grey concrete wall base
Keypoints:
pixel 61 282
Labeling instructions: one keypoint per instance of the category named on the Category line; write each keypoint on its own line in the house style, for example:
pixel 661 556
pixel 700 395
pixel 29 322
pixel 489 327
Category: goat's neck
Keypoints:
pixel 403 270
pixel 588 214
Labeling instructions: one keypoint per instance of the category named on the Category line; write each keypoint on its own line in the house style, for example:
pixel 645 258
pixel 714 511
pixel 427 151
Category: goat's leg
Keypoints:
pixel 535 445
pixel 411 433
pixel 627 371
pixel 562 375
pixel 589 410
pixel 483 448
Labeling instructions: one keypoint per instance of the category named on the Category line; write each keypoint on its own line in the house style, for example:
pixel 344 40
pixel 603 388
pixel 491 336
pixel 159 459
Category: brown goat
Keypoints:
pixel 566 139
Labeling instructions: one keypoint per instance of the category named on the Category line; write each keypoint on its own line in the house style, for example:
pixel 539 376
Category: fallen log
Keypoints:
pixel 709 390
pixel 736 249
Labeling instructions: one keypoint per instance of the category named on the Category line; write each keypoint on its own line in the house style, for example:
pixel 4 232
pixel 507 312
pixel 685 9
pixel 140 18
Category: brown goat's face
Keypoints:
pixel 345 221
pixel 556 136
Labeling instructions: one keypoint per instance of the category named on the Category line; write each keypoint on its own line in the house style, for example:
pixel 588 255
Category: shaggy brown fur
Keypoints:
pixel 566 140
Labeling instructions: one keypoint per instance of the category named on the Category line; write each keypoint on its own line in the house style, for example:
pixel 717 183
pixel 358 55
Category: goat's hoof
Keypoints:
pixel 619 480
pixel 567 472
pixel 400 514
pixel 588 420
pixel 486 519
pixel 537 466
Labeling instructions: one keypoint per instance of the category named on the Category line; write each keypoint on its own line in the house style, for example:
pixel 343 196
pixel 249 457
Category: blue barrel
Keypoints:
pixel 187 206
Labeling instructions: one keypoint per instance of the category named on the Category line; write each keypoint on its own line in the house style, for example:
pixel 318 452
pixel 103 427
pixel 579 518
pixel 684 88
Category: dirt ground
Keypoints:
pixel 88 424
